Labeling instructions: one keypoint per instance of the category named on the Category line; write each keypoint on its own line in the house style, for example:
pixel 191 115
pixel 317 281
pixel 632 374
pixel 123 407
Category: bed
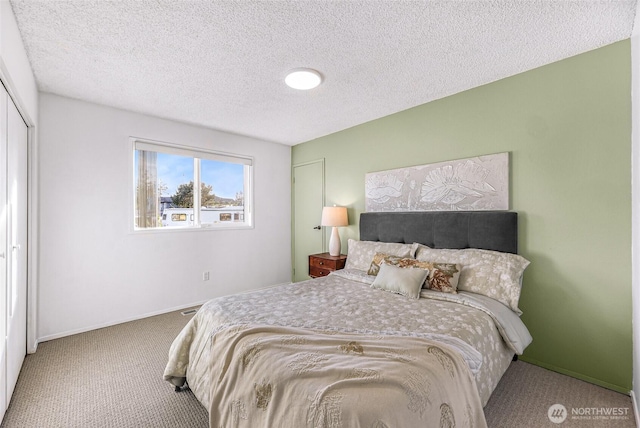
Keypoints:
pixel 344 351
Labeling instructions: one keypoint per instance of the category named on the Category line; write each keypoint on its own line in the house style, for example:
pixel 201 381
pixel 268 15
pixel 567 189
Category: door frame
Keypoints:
pixel 32 208
pixel 293 204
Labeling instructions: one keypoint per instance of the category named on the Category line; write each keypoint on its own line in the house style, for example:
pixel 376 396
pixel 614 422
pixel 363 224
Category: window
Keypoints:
pixel 181 187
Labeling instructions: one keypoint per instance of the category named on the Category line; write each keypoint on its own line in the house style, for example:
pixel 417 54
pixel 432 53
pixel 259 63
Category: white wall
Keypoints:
pixel 93 270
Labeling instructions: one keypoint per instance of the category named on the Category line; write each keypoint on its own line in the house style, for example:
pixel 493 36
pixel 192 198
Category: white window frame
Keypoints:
pixel 196 153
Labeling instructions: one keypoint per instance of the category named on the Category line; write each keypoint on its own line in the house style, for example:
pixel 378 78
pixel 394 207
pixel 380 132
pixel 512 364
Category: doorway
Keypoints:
pixel 308 200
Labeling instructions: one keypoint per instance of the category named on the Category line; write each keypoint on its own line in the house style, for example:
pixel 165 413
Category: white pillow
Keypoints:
pixel 405 281
pixel 360 253
pixel 490 273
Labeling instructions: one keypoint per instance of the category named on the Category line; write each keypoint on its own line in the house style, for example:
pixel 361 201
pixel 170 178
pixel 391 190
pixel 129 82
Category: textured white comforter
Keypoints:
pixel 344 303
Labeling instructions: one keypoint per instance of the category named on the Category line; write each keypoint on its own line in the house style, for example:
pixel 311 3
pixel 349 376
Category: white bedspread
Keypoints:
pixel 343 302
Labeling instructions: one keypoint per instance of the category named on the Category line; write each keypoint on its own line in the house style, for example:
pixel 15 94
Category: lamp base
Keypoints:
pixel 334 242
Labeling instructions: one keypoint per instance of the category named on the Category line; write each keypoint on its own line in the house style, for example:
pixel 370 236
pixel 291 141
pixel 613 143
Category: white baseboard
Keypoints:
pixel 112 323
pixel 635 408
pixel 137 317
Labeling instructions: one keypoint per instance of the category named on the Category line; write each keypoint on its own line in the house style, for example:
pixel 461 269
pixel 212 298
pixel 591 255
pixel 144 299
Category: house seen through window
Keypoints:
pixel 181 187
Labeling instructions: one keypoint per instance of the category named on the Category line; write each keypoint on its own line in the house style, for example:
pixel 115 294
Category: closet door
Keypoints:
pixel 4 400
pixel 16 244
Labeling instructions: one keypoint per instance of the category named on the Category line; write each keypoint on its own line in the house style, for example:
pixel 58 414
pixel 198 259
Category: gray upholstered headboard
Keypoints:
pixel 489 230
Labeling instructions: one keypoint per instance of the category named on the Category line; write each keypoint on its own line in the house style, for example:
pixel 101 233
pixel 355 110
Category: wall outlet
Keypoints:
pixel 205 276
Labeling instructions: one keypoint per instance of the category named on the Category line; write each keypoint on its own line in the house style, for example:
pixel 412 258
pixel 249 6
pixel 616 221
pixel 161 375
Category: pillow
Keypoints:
pixel 361 253
pixel 442 276
pixel 490 273
pixel 407 282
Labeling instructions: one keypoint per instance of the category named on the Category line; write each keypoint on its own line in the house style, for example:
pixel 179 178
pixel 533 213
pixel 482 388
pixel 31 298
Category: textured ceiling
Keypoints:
pixel 221 64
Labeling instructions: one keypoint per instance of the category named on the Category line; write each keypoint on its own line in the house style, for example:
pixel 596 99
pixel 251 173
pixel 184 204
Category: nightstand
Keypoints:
pixel 323 264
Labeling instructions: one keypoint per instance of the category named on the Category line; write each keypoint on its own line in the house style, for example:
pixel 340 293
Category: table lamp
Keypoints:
pixel 334 217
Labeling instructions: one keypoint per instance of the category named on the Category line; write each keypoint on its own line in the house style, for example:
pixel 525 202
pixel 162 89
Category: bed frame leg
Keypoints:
pixel 182 388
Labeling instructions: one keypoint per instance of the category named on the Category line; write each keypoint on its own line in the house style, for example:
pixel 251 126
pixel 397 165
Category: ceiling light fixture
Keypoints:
pixel 303 78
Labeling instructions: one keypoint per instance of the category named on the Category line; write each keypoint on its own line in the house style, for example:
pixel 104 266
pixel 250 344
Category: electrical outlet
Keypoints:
pixel 205 276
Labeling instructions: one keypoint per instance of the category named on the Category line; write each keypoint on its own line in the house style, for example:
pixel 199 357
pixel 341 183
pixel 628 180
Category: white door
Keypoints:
pixel 17 244
pixel 4 401
pixel 308 199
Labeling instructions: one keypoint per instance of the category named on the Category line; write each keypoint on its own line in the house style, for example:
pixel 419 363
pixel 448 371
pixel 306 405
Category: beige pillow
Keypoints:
pixel 442 276
pixel 405 281
pixel 361 253
pixel 490 273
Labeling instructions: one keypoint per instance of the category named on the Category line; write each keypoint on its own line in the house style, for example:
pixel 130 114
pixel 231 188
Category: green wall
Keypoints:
pixel 567 126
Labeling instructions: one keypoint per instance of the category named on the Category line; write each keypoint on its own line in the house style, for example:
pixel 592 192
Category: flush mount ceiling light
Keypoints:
pixel 303 78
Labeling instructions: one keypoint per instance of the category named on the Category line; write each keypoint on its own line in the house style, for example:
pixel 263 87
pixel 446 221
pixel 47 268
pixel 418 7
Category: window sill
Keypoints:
pixel 204 227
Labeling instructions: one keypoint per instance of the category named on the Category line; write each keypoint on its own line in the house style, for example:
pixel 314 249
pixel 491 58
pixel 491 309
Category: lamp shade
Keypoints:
pixel 334 216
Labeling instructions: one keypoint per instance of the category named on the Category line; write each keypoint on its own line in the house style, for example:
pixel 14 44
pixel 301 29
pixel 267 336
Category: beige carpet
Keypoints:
pixel 112 377
pixel 525 393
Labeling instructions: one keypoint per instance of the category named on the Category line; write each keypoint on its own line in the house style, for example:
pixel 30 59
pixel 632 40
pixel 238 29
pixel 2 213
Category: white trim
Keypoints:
pixel 10 86
pixel 293 206
pixel 122 321
pixel 147 315
pixel 635 209
pixel 194 152
pixel 177 229
pixel 32 210
pixel 32 242
pixel 635 408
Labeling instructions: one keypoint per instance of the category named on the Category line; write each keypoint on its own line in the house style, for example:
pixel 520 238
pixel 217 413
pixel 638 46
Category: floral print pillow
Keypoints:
pixel 361 253
pixel 490 273
pixel 442 276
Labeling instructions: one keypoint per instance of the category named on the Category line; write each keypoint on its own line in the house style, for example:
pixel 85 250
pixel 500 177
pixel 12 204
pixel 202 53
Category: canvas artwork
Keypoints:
pixel 472 184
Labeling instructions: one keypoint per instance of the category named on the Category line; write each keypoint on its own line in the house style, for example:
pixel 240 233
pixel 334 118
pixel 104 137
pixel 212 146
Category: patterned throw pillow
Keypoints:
pixel 442 276
pixel 361 253
pixel 490 273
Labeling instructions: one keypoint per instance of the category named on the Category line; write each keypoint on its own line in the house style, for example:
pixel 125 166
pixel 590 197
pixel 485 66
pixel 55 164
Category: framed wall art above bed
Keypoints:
pixel 479 183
